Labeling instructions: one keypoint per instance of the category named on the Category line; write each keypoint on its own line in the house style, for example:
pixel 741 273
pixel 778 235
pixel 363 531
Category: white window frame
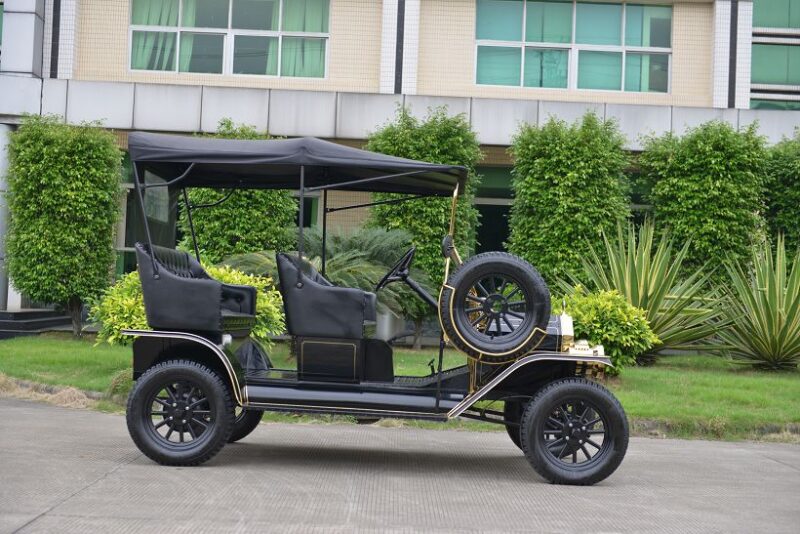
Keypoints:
pixel 573 50
pixel 229 34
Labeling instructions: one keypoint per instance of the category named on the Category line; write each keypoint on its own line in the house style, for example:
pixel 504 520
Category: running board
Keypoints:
pixel 364 404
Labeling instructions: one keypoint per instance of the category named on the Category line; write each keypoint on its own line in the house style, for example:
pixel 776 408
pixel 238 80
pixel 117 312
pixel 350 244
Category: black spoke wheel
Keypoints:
pixel 574 432
pixel 180 413
pixel 512 414
pixel 245 422
pixel 495 307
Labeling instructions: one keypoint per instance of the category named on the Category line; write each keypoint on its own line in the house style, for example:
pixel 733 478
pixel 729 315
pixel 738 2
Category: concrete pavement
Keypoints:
pixel 65 470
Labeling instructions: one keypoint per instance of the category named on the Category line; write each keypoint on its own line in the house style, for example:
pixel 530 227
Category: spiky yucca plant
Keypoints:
pixel 680 310
pixel 763 307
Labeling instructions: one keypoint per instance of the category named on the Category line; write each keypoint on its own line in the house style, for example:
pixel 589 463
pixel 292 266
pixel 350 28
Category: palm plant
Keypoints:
pixel 680 309
pixel 762 305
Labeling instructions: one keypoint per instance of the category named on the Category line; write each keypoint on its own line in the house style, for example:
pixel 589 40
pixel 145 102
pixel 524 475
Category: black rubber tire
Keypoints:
pixel 540 409
pixel 503 348
pixel 221 413
pixel 512 412
pixel 244 424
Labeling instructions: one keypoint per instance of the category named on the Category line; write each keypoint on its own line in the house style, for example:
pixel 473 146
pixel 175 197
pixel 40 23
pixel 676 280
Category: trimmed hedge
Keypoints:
pixel 783 191
pixel 63 198
pixel 707 187
pixel 568 187
pixel 248 221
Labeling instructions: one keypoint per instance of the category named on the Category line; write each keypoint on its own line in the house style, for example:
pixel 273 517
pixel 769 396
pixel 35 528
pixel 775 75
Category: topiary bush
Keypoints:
pixel 248 221
pixel 707 187
pixel 606 318
pixel 568 187
pixel 783 191
pixel 121 306
pixel 63 200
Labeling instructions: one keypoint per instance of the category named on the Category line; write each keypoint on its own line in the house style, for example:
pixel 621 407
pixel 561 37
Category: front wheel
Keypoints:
pixel 574 431
pixel 180 413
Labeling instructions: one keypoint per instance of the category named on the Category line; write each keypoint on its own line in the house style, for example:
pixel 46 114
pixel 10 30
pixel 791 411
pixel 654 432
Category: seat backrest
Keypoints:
pixel 177 262
pixel 289 266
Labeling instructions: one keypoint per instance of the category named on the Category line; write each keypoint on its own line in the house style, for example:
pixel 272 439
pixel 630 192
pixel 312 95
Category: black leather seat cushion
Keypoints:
pixel 316 308
pixel 183 297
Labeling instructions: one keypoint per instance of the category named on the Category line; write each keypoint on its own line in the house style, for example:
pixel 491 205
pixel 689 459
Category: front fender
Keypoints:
pixel 469 400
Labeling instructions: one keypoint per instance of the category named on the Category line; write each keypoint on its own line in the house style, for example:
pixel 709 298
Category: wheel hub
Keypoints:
pixel 494 305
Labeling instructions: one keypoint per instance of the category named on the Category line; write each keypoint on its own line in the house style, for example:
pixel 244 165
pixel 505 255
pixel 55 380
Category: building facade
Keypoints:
pixel 338 69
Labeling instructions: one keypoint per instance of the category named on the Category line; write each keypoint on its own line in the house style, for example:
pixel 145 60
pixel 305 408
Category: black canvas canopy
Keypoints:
pixel 277 164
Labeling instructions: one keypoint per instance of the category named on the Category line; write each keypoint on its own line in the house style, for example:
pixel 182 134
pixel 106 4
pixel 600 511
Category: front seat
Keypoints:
pixel 181 296
pixel 317 308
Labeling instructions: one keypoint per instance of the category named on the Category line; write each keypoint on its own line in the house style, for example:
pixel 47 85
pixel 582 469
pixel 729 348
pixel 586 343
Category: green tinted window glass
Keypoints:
pixel 548 22
pixel 153 12
pixel 776 64
pixel 303 57
pixel 500 20
pixel 599 70
pixel 598 24
pixel 648 26
pixel 776 13
pixel 153 50
pixel 495 182
pixel 255 55
pixel 647 72
pixel 305 16
pixel 205 14
pixel 499 65
pixel 201 52
pixel 255 14
pixel 545 68
pixel 783 105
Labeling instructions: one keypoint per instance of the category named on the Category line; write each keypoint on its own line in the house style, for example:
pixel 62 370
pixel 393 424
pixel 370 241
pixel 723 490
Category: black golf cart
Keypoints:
pixel 202 381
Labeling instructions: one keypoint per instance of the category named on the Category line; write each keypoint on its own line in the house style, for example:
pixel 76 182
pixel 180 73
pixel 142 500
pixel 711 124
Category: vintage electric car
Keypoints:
pixel 202 381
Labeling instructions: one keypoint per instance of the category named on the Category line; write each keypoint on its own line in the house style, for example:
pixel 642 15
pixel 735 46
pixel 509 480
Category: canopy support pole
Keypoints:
pixel 301 216
pixel 324 229
pixel 138 188
pixel 191 223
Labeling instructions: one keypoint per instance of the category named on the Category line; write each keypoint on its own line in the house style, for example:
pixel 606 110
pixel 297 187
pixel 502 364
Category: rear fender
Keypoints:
pixel 517 368
pixel 153 346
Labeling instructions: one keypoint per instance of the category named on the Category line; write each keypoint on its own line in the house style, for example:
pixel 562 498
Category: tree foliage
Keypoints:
pixel 783 191
pixel 436 139
pixel 248 221
pixel 568 188
pixel 63 198
pixel 707 188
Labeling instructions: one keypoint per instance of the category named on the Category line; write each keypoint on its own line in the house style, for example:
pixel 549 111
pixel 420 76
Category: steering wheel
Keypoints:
pixel 400 270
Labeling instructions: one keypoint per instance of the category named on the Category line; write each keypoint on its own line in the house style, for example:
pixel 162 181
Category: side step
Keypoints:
pixel 369 403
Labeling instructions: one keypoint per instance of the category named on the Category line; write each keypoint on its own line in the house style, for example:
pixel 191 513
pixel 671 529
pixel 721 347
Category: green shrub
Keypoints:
pixel 783 191
pixel 608 319
pixel 679 309
pixel 568 187
pixel 707 188
pixel 437 139
pixel 121 306
pixel 249 220
pixel 763 309
pixel 63 199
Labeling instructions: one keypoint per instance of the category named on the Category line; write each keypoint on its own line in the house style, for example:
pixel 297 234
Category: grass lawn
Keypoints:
pixel 681 396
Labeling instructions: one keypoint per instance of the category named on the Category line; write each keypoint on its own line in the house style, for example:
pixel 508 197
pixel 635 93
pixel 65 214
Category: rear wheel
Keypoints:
pixel 180 413
pixel 512 413
pixel 574 431
pixel 246 421
pixel 495 307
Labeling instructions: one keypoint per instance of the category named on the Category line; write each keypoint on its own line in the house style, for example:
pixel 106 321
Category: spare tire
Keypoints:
pixel 495 307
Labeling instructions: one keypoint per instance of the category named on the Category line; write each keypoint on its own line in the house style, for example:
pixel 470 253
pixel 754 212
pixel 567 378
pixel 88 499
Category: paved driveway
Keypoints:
pixel 67 470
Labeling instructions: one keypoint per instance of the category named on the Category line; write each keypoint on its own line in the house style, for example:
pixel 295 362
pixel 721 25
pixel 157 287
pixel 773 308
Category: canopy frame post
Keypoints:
pixel 139 188
pixel 191 223
pixel 301 216
pixel 324 229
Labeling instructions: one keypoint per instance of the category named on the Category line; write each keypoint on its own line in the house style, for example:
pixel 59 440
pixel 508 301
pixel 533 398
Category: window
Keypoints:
pixel 783 105
pixel 776 13
pixel 254 37
pixel 775 64
pixel 570 44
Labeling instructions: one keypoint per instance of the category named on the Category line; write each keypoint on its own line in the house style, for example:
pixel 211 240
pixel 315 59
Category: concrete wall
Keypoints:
pixel 5 129
pixel 447 59
pixel 23 34
pixel 353 61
